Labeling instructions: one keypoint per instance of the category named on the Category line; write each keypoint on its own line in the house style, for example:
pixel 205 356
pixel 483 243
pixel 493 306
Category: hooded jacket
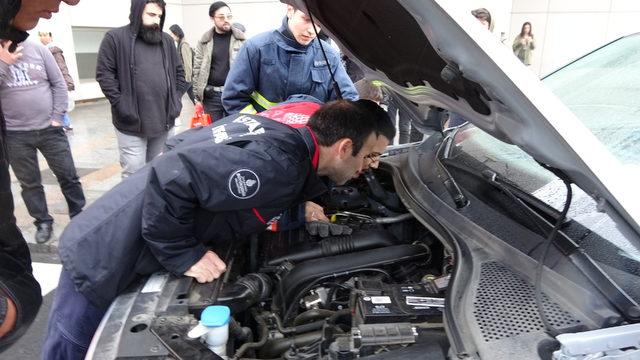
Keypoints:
pixel 16 278
pixel 200 194
pixel 273 66
pixel 116 67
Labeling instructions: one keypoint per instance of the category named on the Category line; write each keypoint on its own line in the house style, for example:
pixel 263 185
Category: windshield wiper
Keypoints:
pixel 449 182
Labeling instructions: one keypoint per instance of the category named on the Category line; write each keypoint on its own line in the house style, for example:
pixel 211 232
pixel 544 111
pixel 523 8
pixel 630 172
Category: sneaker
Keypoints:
pixel 44 232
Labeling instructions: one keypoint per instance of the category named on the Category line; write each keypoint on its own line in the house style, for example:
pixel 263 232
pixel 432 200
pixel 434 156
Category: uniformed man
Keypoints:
pixel 205 192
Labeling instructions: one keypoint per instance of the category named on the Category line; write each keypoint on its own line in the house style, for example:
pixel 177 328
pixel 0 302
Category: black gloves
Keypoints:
pixel 325 229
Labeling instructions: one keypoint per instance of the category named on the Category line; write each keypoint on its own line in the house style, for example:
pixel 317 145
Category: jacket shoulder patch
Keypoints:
pixel 244 184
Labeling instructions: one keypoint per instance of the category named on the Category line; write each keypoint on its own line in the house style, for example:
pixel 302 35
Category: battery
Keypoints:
pixel 377 302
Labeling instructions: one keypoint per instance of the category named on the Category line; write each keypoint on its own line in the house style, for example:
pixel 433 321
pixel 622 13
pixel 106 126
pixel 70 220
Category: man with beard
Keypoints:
pixel 215 53
pixel 20 296
pixel 140 73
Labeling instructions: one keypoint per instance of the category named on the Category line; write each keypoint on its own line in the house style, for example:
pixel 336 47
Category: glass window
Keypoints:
pixel 87 42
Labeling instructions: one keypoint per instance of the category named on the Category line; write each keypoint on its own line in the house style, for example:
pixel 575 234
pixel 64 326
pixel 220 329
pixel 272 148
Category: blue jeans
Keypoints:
pixel 72 322
pixel 52 142
pixel 66 120
pixel 136 151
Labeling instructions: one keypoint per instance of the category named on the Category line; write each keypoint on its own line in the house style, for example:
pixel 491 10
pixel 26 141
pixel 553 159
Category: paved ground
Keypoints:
pixel 95 151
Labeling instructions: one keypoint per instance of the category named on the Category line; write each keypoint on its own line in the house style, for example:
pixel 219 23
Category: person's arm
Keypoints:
pixel 62 65
pixel 347 89
pixel 242 80
pixel 532 44
pixel 181 83
pixel 183 181
pixel 517 44
pixel 58 86
pixel 107 71
pixel 198 89
pixel 187 59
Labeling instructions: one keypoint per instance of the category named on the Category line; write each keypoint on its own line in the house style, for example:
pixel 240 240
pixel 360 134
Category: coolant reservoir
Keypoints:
pixel 214 329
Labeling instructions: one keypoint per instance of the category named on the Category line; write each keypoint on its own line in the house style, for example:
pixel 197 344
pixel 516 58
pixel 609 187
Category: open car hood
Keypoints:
pixel 435 53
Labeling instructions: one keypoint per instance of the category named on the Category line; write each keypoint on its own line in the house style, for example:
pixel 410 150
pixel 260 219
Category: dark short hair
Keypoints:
pixel 177 31
pixel 354 120
pixel 215 6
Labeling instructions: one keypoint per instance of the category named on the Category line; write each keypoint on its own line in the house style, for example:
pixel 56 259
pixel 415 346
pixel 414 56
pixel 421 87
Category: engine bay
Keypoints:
pixel 379 292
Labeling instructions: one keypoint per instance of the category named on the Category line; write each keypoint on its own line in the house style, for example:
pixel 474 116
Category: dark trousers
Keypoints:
pixel 405 131
pixel 213 105
pixel 72 322
pixel 54 146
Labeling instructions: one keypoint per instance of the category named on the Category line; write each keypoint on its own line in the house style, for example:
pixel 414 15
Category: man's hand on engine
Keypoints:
pixel 207 269
pixel 314 212
pixel 324 229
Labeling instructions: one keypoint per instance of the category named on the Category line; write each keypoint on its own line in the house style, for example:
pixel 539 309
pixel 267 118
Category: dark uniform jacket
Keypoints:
pixel 200 193
pixel 115 73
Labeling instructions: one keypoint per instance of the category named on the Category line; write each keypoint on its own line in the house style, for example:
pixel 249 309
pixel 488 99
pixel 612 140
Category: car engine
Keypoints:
pixel 379 292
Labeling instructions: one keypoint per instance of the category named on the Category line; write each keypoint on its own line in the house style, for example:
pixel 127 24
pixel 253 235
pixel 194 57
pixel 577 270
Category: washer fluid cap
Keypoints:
pixel 215 315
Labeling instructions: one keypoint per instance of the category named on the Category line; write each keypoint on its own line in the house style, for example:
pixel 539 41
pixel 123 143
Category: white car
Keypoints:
pixel 450 233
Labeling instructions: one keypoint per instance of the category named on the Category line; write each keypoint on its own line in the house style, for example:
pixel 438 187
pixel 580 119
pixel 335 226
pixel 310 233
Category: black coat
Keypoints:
pixel 197 195
pixel 16 278
pixel 115 72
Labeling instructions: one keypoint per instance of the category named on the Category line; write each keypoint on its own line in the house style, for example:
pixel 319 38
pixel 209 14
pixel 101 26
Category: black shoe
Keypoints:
pixel 43 234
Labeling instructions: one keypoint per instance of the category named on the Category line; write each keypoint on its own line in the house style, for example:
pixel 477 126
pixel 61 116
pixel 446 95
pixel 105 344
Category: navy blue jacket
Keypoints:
pixel 273 66
pixel 199 194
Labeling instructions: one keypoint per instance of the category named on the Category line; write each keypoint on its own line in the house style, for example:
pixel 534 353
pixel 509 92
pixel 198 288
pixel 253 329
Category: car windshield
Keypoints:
pixel 603 90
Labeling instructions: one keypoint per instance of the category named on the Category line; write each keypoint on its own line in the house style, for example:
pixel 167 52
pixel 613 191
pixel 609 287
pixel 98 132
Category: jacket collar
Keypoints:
pixel 313 185
pixel 285 38
pixel 236 33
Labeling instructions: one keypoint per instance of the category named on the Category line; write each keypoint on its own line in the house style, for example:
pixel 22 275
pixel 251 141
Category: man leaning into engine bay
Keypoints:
pixel 201 194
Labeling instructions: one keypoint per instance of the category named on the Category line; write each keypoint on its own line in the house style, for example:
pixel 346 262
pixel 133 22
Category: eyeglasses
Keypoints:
pixel 222 17
pixel 373 158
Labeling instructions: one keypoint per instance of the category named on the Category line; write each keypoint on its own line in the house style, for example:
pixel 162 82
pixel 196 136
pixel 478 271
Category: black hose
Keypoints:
pixel 312 314
pixel 241 295
pixel 551 330
pixel 275 348
pixel 297 329
pixel 362 240
pixel 264 332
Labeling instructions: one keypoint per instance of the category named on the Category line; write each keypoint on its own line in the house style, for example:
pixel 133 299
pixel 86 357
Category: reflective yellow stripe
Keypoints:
pixel 249 109
pixel 378 83
pixel 260 100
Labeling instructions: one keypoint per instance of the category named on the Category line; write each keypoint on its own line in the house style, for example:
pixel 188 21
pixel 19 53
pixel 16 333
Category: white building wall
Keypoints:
pixel 256 15
pixel 192 15
pixel 567 29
